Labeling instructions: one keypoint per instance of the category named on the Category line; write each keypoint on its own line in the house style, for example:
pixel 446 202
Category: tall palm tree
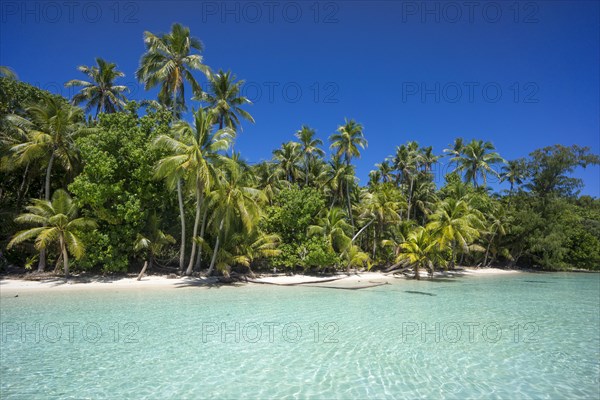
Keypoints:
pixel 406 162
pixel 477 159
pixel 48 134
pixel 337 177
pixel 309 146
pixel 100 91
pixel 169 62
pixel 195 150
pixel 514 172
pixel 225 99
pixel 58 223
pixel 288 158
pixel 456 224
pixel 233 202
pixel 346 143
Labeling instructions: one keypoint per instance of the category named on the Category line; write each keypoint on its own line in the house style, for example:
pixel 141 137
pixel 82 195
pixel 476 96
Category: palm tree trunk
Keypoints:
pixel 417 275
pixel 374 241
pixel 487 251
pixel 139 277
pixel 214 256
pixel 306 170
pixel 65 256
pixel 199 201
pixel 182 217
pixel 350 207
pixel 410 189
pixel 42 260
pixel 20 193
pixel 202 229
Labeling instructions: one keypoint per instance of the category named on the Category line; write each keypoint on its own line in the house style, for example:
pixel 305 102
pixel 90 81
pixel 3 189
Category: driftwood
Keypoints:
pixel 298 283
pixel 373 284
pixel 400 264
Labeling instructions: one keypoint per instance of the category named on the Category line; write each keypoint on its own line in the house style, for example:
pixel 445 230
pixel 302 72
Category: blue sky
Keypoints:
pixel 522 75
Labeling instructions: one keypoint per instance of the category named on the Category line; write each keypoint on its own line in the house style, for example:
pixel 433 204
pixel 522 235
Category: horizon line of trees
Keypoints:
pixel 122 188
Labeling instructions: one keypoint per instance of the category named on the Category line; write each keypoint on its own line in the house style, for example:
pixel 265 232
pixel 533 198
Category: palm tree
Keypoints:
pixel 333 227
pixel 381 208
pixel 224 98
pixel 309 146
pixel 346 143
pixel 421 250
pixel 195 151
pixel 269 179
pixel 455 150
pixel 152 244
pixel 385 171
pixel 514 172
pixel 337 177
pixel 288 160
pixel 456 223
pixel 254 245
pixel 7 72
pixel 497 227
pixel 48 135
pixel 406 162
pixel 58 223
pixel 477 158
pixel 100 92
pixel 232 202
pixel 355 257
pixel 169 62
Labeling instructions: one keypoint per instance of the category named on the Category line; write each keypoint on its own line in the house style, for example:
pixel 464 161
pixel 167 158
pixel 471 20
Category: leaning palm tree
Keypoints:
pixel 100 92
pixel 309 146
pixel 58 224
pixel 195 151
pixel 346 143
pixel 225 99
pixel 169 62
pixel 477 159
pixel 48 135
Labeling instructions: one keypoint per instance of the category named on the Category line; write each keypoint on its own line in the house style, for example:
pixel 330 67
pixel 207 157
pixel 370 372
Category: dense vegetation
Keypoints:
pixel 136 184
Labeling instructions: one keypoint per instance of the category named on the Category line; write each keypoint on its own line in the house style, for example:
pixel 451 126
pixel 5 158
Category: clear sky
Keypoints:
pixel 521 74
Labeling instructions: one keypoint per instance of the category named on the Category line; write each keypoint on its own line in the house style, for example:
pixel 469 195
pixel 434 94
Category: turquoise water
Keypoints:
pixel 518 336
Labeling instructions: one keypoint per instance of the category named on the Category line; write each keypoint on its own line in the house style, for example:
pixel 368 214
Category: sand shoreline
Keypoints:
pixel 10 286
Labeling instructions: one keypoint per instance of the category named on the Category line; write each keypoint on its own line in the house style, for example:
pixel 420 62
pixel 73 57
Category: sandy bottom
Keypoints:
pixel 361 279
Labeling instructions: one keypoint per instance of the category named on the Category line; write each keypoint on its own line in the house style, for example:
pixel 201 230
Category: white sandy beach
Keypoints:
pixel 10 286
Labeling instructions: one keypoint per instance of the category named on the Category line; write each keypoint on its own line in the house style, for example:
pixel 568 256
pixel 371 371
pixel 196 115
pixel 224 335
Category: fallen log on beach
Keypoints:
pixel 374 284
pixel 296 283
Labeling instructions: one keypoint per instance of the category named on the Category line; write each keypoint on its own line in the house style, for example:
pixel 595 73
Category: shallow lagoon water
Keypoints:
pixel 511 336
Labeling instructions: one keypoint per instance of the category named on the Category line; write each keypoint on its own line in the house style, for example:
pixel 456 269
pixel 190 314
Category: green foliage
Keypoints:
pixel 117 184
pixel 15 95
pixel 290 216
